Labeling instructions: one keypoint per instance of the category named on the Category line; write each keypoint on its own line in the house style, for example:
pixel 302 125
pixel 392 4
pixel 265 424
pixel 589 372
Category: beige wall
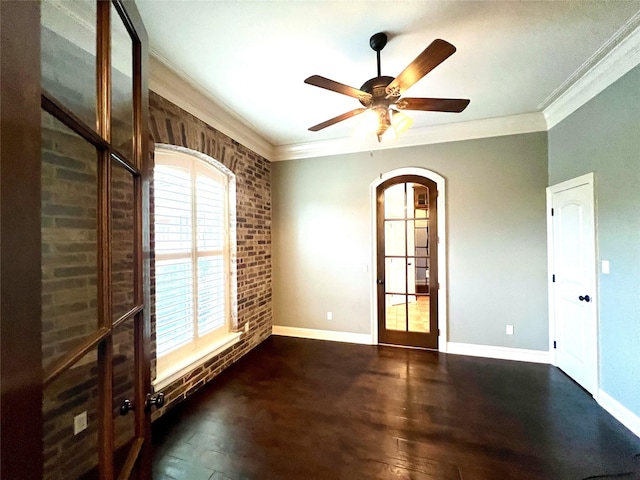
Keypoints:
pixel 496 231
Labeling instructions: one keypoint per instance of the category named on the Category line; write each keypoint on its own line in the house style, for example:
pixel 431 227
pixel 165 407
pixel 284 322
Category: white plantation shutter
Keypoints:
pixel 210 250
pixel 192 254
pixel 174 272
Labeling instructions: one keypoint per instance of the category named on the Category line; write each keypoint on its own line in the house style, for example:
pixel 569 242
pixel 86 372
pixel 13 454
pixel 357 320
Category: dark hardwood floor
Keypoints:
pixel 309 409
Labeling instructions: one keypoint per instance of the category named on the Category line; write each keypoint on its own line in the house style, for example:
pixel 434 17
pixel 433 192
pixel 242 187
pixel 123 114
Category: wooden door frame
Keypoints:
pixel 443 311
pixel 20 276
pixel 587 179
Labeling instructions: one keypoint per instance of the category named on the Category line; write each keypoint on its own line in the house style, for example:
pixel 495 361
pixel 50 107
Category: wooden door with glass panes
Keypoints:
pixel 94 240
pixel 407 268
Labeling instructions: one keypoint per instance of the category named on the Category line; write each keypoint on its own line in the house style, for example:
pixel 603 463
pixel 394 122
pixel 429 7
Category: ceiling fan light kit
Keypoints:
pixel 381 95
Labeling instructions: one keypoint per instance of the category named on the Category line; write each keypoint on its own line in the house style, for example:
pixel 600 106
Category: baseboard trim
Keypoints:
pixel 619 412
pixel 502 353
pixel 361 338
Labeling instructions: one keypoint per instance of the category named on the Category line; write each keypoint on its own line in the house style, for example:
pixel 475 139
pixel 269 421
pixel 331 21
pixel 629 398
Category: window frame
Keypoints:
pixel 178 361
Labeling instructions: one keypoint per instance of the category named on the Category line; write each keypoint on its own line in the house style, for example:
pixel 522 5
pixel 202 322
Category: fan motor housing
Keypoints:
pixel 377 88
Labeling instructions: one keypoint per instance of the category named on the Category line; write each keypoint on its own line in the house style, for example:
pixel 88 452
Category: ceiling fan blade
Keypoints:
pixel 337 119
pixel 430 58
pixel 318 81
pixel 454 105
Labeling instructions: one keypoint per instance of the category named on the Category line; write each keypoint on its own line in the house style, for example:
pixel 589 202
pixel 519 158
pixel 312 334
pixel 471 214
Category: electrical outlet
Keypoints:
pixel 80 423
pixel 246 327
pixel 329 316
pixel 509 329
pixel 606 267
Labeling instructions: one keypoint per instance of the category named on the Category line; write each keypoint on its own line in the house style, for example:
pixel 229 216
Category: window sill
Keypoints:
pixel 180 369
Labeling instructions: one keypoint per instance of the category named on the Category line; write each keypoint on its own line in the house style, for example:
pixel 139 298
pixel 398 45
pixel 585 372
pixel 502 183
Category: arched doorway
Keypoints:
pixel 407 275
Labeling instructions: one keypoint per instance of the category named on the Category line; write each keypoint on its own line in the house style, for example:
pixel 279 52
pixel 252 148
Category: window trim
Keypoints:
pixel 172 366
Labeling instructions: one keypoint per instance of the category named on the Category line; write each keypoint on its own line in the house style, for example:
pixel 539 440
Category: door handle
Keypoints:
pixel 586 298
pixel 156 400
pixel 380 282
pixel 126 407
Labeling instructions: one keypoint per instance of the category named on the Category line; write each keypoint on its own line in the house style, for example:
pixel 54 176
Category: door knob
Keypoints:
pixel 125 407
pixel 380 282
pixel 156 400
pixel 586 298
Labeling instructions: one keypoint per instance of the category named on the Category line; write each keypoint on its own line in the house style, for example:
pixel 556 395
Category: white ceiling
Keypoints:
pixel 251 57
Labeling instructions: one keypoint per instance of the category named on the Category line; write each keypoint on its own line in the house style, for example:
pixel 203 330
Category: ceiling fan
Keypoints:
pixel 381 94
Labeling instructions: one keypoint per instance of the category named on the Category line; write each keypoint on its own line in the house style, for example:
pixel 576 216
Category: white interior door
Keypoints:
pixel 573 267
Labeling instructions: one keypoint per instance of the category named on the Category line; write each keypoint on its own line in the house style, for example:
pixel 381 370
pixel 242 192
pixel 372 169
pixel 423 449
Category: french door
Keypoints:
pixel 407 268
pixel 91 251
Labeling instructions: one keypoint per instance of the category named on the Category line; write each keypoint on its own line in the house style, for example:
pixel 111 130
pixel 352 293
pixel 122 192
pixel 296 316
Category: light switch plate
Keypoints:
pixel 509 329
pixel 606 268
pixel 80 423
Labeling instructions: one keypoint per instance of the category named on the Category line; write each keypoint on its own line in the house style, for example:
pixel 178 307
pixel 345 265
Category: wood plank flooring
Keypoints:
pixel 309 409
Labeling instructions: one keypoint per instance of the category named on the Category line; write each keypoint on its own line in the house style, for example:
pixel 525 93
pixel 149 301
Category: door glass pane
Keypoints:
pixel 396 312
pixel 68 55
pixel 419 213
pixel 422 275
pixel 122 240
pixel 411 275
pixel 419 313
pixel 421 236
pixel 73 394
pixel 121 86
pixel 124 382
pixel 69 229
pixel 395 237
pixel 420 197
pixel 411 238
pixel 395 275
pixel 394 201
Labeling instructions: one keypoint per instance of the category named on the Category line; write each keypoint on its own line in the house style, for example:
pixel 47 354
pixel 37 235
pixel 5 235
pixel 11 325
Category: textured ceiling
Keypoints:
pixel 252 57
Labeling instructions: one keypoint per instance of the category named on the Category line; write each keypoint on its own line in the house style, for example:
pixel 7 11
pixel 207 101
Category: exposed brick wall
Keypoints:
pixel 69 276
pixel 172 125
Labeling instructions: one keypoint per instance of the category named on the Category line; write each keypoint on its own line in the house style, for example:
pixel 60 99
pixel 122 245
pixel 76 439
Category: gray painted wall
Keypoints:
pixel 604 137
pixel 496 238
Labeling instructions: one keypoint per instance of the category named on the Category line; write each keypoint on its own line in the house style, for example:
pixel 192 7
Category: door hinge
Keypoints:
pixel 554 344
pixel 553 278
pixel 552 212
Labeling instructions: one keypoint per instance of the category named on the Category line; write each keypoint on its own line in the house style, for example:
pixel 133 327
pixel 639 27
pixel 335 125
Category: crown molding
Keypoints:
pixel 452 132
pixel 616 57
pixel 181 91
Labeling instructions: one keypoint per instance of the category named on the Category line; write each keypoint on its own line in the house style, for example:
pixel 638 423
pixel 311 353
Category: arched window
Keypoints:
pixel 194 207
